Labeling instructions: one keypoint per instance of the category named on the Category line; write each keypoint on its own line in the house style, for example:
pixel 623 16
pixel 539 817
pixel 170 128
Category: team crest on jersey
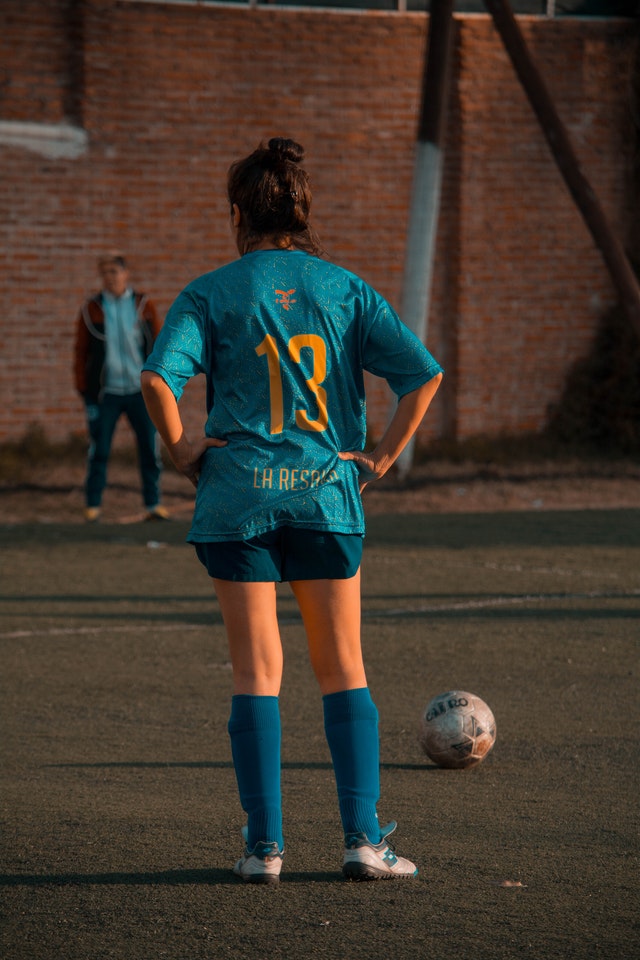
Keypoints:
pixel 284 298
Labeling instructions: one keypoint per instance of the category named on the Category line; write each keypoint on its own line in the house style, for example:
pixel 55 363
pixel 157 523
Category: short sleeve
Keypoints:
pixel 391 350
pixel 181 349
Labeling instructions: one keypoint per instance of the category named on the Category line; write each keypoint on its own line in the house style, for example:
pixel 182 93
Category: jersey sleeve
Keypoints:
pixel 391 350
pixel 181 350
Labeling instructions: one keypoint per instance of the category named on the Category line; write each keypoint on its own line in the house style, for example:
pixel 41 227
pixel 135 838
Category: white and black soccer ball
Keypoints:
pixel 457 729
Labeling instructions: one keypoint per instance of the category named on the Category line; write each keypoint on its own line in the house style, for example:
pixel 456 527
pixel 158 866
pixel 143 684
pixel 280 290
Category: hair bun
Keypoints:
pixel 286 149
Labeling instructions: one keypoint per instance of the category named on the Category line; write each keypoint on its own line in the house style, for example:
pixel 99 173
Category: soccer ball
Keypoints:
pixel 457 730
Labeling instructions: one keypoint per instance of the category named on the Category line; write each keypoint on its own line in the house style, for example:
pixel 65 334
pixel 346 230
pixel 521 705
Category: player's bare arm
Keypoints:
pixel 163 409
pixel 404 423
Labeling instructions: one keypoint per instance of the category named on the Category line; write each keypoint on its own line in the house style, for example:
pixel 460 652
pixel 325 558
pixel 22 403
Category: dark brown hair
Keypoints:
pixel 112 256
pixel 273 194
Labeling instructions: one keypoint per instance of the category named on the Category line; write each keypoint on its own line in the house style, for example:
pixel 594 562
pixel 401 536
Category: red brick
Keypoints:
pixel 169 94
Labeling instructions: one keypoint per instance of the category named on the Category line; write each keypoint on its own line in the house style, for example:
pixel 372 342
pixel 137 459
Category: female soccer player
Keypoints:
pixel 283 338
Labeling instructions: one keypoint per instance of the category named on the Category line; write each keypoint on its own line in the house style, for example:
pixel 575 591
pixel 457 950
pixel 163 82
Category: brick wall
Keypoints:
pixel 169 94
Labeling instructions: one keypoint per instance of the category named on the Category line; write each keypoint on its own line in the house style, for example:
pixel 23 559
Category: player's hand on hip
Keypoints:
pixel 366 464
pixel 187 455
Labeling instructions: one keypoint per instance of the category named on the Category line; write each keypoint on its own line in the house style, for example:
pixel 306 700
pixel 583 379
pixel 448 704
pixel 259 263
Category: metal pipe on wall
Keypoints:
pixel 427 181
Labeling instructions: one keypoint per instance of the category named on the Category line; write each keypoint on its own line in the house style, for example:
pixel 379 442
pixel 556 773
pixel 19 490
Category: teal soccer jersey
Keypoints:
pixel 283 338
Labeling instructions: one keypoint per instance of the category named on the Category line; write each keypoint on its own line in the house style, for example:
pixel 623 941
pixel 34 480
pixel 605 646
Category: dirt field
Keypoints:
pixel 119 807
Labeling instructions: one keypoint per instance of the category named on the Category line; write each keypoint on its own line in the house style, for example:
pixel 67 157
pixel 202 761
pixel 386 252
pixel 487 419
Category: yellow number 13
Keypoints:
pixel 269 349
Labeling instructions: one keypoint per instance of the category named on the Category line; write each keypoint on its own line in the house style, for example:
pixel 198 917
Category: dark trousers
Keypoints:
pixel 102 419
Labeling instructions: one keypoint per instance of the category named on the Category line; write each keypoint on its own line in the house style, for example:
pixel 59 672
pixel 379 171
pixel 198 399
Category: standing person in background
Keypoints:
pixel 283 338
pixel 115 332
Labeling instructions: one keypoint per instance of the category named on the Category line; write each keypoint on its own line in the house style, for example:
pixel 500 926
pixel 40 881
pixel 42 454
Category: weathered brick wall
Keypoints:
pixel 532 284
pixel 169 94
pixel 36 50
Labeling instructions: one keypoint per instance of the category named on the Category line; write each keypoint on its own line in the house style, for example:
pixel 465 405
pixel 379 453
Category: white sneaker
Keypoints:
pixel 364 860
pixel 260 865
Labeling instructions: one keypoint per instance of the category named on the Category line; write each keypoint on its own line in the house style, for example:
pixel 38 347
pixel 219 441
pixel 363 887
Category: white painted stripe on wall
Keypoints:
pixel 51 140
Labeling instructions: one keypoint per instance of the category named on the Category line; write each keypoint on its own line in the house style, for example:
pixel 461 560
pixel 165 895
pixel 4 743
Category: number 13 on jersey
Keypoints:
pixel 269 349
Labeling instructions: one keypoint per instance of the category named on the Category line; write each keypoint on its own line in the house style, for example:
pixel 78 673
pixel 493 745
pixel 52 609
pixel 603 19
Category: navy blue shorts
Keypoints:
pixel 282 555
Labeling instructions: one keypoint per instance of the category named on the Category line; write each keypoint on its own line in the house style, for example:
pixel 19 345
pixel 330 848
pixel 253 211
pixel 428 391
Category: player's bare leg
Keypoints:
pixel 331 614
pixel 251 623
pixel 249 613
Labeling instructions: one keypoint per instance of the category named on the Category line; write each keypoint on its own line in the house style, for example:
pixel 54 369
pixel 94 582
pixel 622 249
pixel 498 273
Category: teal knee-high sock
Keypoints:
pixel 254 729
pixel 351 728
